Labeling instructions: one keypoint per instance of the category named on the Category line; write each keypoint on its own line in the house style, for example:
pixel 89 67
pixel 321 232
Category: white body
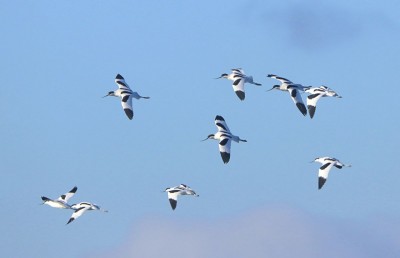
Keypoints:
pixel 58 204
pixel 62 201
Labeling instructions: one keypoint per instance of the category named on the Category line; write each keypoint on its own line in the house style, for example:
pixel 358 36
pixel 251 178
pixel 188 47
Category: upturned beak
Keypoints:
pixel 205 139
pixel 270 89
pixel 218 77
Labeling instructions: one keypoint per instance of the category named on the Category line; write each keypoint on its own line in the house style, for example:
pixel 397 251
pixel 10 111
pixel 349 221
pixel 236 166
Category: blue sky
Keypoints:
pixel 59 58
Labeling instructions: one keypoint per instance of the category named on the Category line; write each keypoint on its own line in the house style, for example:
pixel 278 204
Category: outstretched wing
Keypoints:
pixel 77 213
pixel 120 81
pixel 238 82
pixel 173 198
pixel 126 102
pixel 225 147
pixel 238 87
pixel 323 173
pixel 330 92
pixel 186 190
pixel 238 71
pixel 281 79
pixel 296 97
pixel 312 100
pixel 221 124
pixel 65 197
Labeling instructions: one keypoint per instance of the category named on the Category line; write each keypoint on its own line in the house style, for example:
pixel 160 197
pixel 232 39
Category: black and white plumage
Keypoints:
pixel 126 95
pixel 62 201
pixel 239 78
pixel 174 192
pixel 294 90
pixel 81 208
pixel 315 94
pixel 224 136
pixel 327 164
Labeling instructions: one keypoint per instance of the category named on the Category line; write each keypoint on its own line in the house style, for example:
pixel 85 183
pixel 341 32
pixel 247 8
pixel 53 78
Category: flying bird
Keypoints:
pixel 327 164
pixel 174 192
pixel 81 208
pixel 293 89
pixel 315 94
pixel 239 78
pixel 224 136
pixel 62 201
pixel 126 95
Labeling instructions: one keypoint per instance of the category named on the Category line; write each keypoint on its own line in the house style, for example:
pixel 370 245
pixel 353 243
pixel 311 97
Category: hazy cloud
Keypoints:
pixel 274 232
pixel 315 25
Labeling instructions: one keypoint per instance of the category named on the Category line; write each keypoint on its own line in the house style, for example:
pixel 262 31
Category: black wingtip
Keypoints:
pixel 302 108
pixel 173 203
pixel 129 113
pixel 70 220
pixel 240 94
pixel 45 199
pixel 218 117
pixel 225 157
pixel 73 190
pixel 311 110
pixel 119 77
pixel 321 182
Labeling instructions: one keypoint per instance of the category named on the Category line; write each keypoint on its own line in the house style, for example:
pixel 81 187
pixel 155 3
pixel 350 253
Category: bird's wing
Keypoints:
pixel 296 97
pixel 173 198
pixel 312 100
pixel 238 86
pixel 186 189
pixel 126 102
pixel 225 148
pixel 323 173
pixel 238 71
pixel 340 165
pixel 332 93
pixel 221 124
pixel 122 85
pixel 77 213
pixel 281 79
pixel 182 186
pixel 190 192
pixel 65 197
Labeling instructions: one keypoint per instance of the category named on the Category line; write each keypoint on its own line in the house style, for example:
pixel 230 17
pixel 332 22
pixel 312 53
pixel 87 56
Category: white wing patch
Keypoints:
pixel 120 81
pixel 238 87
pixel 296 97
pixel 126 102
pixel 225 148
pixel 77 213
pixel 324 170
pixel 65 197
pixel 221 124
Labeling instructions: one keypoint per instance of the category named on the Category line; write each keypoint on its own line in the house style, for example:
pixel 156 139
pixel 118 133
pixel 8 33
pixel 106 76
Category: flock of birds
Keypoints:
pixel 223 134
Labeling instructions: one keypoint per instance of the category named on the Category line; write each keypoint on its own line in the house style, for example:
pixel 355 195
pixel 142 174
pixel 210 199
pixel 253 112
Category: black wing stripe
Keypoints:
pixel 325 166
